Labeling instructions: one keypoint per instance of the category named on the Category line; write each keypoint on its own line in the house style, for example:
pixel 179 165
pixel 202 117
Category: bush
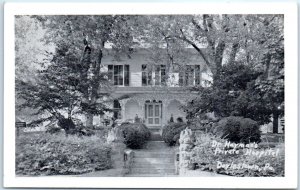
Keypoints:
pixel 135 134
pixel 171 132
pixel 204 157
pixel 45 154
pixel 53 130
pixel 238 129
pixel 79 129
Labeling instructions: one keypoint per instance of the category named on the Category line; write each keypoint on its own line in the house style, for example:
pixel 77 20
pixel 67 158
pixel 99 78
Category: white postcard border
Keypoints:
pixel 291 94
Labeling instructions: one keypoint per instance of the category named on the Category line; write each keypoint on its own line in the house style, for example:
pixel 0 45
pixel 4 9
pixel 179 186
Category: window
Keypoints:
pixel 146 75
pixel 190 76
pixel 181 78
pixel 117 109
pixel 119 74
pixel 159 75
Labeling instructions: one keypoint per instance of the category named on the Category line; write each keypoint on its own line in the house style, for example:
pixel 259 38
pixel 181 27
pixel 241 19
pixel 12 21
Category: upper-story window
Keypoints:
pixel 146 75
pixel 159 75
pixel 190 76
pixel 119 74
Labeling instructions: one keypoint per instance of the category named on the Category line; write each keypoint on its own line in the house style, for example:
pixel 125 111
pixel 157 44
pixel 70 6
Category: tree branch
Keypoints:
pixel 195 47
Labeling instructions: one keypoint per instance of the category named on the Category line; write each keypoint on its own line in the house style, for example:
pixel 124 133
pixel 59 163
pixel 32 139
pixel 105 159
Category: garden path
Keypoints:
pixel 154 160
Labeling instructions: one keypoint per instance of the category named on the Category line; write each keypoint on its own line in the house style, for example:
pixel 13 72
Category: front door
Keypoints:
pixel 153 114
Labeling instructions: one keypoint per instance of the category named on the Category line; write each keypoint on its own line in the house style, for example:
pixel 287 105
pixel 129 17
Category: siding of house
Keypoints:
pixel 139 58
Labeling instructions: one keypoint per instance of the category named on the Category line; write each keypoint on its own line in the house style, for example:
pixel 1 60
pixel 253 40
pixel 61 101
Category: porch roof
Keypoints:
pixel 151 89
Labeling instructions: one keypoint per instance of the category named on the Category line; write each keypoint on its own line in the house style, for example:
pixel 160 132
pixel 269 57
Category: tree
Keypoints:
pixel 86 37
pixel 28 46
pixel 57 93
pixel 222 97
pixel 250 83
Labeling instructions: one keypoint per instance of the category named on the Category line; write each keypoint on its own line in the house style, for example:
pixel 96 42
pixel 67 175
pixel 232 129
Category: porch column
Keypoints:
pixel 165 104
pixel 141 102
pixel 122 104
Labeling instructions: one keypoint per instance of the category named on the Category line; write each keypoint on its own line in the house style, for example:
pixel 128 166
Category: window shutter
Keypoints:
pixel 126 75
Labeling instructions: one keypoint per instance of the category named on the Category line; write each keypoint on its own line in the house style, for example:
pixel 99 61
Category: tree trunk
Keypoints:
pixel 233 52
pixel 275 121
pixel 67 124
pixel 218 60
pixel 267 63
pixel 95 85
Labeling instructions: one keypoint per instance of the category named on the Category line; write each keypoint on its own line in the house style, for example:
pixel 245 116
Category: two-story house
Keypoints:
pixel 155 91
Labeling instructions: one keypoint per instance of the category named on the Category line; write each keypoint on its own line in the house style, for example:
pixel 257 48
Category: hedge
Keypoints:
pixel 238 129
pixel 46 154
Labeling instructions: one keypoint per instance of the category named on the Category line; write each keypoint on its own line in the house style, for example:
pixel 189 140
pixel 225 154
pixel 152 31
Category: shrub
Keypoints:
pixel 179 119
pixel 79 129
pixel 135 134
pixel 171 132
pixel 204 157
pixel 238 129
pixel 45 154
pixel 53 130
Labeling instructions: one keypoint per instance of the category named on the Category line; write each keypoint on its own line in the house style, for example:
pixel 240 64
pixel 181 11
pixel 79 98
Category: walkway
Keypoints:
pixel 156 159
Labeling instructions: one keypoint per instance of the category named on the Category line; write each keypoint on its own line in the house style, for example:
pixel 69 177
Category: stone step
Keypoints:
pixel 155 129
pixel 154 154
pixel 154 160
pixel 155 137
pixel 157 145
pixel 152 171
pixel 154 165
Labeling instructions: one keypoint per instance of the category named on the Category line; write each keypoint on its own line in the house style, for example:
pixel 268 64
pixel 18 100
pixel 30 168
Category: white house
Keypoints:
pixel 155 90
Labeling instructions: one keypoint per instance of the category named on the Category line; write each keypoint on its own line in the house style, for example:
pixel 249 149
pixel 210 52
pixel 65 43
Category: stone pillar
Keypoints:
pixel 116 139
pixel 187 139
pixel 165 105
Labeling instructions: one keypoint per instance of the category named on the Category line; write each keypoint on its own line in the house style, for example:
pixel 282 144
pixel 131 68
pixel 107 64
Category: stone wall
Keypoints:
pixel 187 140
pixel 122 157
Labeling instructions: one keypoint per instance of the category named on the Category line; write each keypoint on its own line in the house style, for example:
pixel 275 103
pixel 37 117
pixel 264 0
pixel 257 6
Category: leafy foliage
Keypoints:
pixel 238 129
pixel 71 79
pixel 135 134
pixel 45 154
pixel 240 91
pixel 171 132
pixel 58 92
pixel 206 159
pixel 244 53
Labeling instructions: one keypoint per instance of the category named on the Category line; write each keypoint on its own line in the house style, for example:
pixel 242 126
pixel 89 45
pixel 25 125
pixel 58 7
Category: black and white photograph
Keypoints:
pixel 150 95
